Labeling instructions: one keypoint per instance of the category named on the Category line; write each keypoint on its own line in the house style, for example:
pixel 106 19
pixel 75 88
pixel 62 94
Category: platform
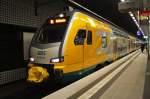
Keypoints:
pixel 125 82
pixel 130 84
pixel 133 82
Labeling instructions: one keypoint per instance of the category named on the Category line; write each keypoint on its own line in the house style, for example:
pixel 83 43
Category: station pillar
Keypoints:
pixel 149 37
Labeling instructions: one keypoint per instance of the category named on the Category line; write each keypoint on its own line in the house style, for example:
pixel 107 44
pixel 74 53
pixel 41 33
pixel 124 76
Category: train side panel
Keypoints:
pixel 95 49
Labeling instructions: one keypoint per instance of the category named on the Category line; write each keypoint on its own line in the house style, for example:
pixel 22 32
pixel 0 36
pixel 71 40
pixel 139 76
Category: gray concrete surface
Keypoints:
pixel 130 84
pixel 146 94
pixel 76 89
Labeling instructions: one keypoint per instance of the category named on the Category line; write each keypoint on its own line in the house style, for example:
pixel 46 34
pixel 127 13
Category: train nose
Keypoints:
pixel 37 74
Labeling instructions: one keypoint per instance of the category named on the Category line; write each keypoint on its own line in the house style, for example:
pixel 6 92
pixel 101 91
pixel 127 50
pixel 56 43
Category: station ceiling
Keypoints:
pixel 109 10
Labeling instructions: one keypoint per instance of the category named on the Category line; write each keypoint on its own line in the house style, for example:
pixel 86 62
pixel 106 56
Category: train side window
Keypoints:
pixel 104 40
pixel 80 36
pixel 89 38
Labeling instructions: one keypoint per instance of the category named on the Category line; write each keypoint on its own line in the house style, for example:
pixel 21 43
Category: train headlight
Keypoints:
pixel 57 60
pixel 32 59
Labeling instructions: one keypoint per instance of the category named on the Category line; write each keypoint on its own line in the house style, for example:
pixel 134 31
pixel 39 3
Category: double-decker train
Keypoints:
pixel 74 44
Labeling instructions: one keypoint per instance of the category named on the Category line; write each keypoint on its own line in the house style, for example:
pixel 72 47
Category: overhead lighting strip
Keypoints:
pixel 135 21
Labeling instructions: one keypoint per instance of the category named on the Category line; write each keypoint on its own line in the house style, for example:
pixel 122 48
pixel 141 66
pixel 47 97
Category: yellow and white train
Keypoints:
pixel 74 44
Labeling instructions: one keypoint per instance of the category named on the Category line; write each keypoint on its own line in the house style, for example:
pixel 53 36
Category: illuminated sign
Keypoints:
pixel 60 20
pixel 145 13
pixel 55 21
pixel 138 33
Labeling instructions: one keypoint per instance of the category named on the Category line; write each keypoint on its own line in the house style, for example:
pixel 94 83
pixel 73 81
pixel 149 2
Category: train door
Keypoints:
pixel 109 47
pixel 115 49
pixel 105 46
pixel 74 50
pixel 128 46
pixel 88 48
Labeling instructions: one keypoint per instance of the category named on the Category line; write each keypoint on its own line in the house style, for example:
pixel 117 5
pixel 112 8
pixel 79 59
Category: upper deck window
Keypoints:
pixel 104 40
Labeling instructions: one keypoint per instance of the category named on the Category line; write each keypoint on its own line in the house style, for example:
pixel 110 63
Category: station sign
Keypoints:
pixel 143 17
pixel 145 13
pixel 138 33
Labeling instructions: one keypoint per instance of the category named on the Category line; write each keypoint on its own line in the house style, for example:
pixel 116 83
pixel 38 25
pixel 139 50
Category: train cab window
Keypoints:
pixel 80 36
pixel 104 40
pixel 89 38
pixel 51 33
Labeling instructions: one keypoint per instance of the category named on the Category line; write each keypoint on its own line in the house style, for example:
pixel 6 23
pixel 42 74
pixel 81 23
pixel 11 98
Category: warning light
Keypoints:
pixel 60 20
pixel 51 21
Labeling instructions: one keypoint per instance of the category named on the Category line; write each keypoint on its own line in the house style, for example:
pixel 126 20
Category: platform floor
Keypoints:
pixel 130 84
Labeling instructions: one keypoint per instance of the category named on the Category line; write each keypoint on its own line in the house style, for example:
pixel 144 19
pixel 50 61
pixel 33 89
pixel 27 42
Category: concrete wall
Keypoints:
pixel 27 12
pixel 27 37
pixel 17 19
pixel 50 8
pixel 146 28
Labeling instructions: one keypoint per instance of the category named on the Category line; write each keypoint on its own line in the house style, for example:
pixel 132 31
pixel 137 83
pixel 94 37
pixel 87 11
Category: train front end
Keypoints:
pixel 46 50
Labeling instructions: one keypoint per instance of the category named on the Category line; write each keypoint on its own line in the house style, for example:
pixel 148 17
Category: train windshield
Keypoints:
pixel 51 32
